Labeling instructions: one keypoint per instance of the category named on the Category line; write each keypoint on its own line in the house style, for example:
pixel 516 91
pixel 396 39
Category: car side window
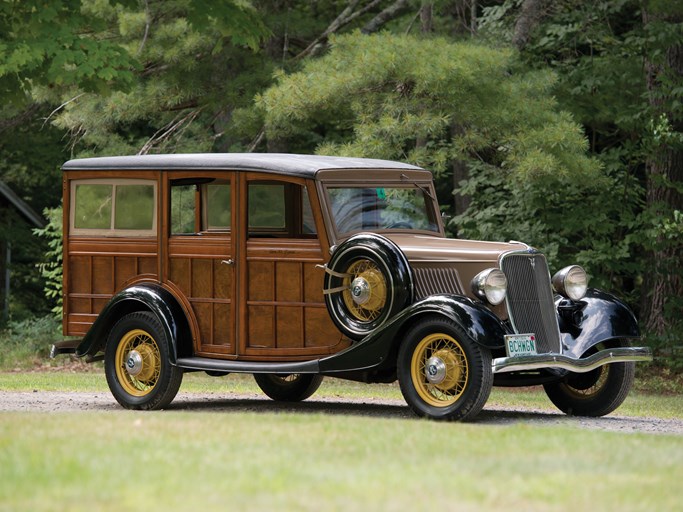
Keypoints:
pixel 279 209
pixel 115 207
pixel 200 205
pixel 183 203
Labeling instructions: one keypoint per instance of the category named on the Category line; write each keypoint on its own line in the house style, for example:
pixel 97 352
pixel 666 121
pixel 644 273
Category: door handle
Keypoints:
pixel 228 261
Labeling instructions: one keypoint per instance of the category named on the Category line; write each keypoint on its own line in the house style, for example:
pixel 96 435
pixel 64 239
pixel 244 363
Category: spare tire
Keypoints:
pixel 368 280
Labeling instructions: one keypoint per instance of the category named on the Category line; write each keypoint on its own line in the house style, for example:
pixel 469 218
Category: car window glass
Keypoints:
pixel 113 207
pixel 134 207
pixel 267 206
pixel 183 209
pixel 217 200
pixel 308 227
pixel 93 206
pixel 361 208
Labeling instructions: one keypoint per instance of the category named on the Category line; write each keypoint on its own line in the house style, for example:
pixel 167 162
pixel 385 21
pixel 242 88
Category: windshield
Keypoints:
pixel 364 208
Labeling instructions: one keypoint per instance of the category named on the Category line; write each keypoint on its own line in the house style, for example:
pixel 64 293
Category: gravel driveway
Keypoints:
pixel 52 401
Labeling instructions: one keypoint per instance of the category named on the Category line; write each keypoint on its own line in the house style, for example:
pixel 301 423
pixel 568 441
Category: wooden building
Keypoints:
pixel 11 202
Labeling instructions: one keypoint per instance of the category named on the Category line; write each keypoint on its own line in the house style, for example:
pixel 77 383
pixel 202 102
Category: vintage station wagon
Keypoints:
pixel 294 267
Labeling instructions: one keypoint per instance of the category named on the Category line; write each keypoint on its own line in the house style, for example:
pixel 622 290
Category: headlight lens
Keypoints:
pixel 571 282
pixel 490 285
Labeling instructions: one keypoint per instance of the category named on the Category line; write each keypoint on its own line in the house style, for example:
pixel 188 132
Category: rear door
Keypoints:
pixel 201 252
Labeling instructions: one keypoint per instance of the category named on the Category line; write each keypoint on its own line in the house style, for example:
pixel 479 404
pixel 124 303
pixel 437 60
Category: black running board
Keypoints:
pixel 223 365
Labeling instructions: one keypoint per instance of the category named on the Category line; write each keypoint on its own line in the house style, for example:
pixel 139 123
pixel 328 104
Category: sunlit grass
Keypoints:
pixel 113 461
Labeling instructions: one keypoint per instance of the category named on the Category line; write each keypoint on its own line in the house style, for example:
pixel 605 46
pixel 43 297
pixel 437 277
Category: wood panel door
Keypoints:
pixel 201 256
pixel 282 311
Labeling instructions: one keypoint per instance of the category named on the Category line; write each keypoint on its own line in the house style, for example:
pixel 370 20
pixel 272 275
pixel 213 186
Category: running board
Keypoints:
pixel 223 365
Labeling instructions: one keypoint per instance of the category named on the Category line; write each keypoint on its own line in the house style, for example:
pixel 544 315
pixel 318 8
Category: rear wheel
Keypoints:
pixel 595 393
pixel 137 363
pixel 442 372
pixel 293 387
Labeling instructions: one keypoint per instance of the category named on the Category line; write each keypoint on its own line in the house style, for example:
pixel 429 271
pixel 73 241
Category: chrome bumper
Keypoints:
pixel 537 361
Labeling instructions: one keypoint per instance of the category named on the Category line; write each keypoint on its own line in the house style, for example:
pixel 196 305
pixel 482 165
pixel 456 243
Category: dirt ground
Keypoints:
pixel 229 403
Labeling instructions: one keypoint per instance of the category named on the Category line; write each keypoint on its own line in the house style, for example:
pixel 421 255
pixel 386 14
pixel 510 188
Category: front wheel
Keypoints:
pixel 595 393
pixel 137 363
pixel 293 387
pixel 442 372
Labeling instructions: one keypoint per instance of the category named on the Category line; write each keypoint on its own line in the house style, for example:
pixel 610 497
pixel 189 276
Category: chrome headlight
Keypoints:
pixel 490 285
pixel 571 282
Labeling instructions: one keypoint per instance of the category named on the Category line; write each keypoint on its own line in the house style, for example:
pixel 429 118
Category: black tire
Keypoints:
pixel 595 393
pixel 294 387
pixel 442 372
pixel 137 363
pixel 368 281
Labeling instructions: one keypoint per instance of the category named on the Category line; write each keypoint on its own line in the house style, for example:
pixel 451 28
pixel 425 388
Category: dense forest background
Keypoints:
pixel 554 122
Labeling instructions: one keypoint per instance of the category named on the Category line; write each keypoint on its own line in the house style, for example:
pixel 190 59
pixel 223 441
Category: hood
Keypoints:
pixel 425 248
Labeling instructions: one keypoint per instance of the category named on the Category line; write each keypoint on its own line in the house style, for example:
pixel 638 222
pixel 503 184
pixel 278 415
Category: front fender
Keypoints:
pixel 596 318
pixel 142 297
pixel 477 321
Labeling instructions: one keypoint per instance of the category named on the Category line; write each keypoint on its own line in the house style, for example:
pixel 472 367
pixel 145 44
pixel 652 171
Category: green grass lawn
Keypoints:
pixel 203 460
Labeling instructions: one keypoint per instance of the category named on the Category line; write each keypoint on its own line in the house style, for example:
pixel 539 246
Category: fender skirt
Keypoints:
pixel 143 297
pixel 375 349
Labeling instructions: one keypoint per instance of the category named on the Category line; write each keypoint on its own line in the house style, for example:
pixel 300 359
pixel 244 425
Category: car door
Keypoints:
pixel 282 311
pixel 200 263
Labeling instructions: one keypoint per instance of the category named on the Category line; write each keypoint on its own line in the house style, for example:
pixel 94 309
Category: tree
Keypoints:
pixel 664 165
pixel 50 44
pixel 633 119
pixel 398 97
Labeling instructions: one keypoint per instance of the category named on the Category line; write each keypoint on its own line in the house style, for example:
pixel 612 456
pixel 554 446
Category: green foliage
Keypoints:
pixel 51 268
pixel 429 102
pixel 611 59
pixel 179 100
pixel 589 223
pixel 22 343
pixel 47 44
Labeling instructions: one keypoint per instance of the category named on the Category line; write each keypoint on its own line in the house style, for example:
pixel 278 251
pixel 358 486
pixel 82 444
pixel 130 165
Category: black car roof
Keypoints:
pixel 297 165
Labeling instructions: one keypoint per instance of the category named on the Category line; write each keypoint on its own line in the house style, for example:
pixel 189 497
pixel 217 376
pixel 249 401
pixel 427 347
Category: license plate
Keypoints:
pixel 520 344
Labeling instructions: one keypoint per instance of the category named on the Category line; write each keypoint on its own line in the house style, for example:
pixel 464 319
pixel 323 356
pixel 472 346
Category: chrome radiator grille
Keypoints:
pixel 530 299
pixel 436 280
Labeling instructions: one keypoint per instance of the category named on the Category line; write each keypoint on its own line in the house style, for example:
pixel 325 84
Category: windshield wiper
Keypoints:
pixel 424 190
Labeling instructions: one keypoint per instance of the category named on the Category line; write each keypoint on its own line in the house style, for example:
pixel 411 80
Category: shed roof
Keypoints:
pixel 28 213
pixel 297 165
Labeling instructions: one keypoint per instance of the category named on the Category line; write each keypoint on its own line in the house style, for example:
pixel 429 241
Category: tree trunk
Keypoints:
pixel 530 16
pixel 460 173
pixel 664 277
pixel 427 17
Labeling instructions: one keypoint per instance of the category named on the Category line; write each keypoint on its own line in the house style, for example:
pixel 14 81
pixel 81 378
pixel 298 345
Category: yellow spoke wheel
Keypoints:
pixel 368 280
pixel 138 362
pixel 594 393
pixel 366 290
pixel 439 370
pixel 444 374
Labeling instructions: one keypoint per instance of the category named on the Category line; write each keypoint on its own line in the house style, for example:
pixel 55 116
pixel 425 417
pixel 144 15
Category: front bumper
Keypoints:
pixel 538 361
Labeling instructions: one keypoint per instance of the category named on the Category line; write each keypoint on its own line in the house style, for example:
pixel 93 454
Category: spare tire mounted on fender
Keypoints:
pixel 368 280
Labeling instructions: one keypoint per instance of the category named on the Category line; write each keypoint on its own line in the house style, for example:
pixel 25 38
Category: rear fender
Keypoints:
pixel 141 297
pixel 596 318
pixel 376 348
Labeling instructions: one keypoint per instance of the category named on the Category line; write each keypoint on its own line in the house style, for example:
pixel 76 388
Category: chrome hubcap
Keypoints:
pixel 435 370
pixel 134 363
pixel 360 290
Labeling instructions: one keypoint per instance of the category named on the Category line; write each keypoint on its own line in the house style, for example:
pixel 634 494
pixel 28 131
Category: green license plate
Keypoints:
pixel 520 344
